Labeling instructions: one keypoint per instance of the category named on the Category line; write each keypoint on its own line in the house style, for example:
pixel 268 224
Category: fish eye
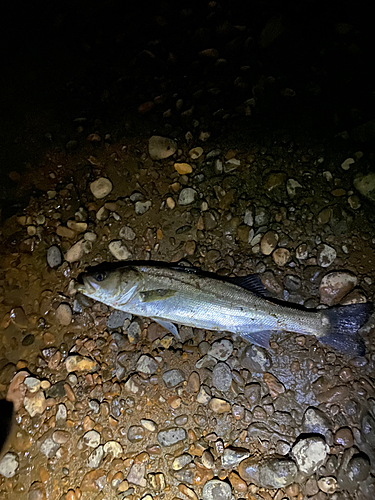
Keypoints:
pixel 101 276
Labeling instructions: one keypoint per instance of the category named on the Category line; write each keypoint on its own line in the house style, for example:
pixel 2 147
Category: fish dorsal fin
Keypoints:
pixel 251 282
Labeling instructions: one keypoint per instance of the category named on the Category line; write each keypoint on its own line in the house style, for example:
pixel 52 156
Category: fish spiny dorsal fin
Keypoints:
pixel 251 282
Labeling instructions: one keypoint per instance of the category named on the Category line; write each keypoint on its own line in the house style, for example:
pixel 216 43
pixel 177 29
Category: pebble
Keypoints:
pixel 238 484
pixel 221 349
pixel 54 256
pixel 219 406
pixel 169 437
pixel 274 385
pixel 291 186
pixel 49 448
pixel 9 465
pixel 113 448
pixel 79 363
pixel 334 395
pixel 187 196
pixel 136 433
pixel 32 383
pixel 149 425
pixel 119 250
pixel 281 256
pixel 328 484
pixel 182 460
pixel 117 318
pixel 36 404
pixel 137 475
pixel 147 365
pixel 160 148
pixel 64 314
pixel 232 457
pixel 195 153
pixel 326 255
pixel 302 252
pixel 222 377
pixel 268 242
pixel 365 184
pixel 78 227
pixel 310 454
pixel 270 473
pixel 252 393
pixel 256 359
pixel 172 378
pixel 91 439
pixel 335 286
pixel 127 233
pixel 101 187
pixel 344 437
pixel 316 422
pixel 183 168
pixel 141 207
pixel 204 395
pixel 216 490
pixel 207 459
pixel 357 470
pixel 75 252
pixel 95 457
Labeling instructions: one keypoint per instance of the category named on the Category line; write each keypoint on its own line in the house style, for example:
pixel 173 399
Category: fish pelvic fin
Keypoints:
pixel 343 325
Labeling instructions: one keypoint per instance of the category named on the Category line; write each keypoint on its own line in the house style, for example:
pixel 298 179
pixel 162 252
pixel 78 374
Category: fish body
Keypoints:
pixel 187 296
pixel 7 425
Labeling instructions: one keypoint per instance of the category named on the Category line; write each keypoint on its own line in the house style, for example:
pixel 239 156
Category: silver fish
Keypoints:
pixel 188 296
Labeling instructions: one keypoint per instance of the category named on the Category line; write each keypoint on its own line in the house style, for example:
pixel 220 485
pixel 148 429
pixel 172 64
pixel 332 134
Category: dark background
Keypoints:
pixel 309 65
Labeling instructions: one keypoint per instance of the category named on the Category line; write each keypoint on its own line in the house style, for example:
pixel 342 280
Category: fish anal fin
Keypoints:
pixel 261 338
pixel 168 326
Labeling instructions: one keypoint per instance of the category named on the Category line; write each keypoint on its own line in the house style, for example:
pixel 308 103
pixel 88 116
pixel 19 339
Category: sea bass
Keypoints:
pixel 188 296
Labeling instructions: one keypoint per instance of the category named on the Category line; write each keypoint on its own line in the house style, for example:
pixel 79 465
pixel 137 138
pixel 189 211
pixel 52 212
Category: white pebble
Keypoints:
pixel 101 187
pixel 119 250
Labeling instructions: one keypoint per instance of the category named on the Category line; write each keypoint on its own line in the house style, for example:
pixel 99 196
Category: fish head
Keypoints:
pixel 110 286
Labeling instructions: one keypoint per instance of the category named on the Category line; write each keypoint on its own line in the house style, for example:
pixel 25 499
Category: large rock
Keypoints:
pixel 270 473
pixel 310 454
pixel 365 184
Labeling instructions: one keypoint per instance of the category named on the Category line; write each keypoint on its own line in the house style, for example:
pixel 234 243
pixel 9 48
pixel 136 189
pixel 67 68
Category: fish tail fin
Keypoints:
pixel 343 325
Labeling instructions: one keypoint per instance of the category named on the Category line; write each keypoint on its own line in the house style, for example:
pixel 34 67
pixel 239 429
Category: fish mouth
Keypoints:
pixel 84 285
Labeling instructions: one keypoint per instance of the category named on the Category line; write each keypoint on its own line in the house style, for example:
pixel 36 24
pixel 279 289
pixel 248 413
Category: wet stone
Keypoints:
pixel 37 491
pixel 334 395
pixel 334 286
pixel 147 365
pixel 49 448
pixel 160 147
pixel 344 437
pixel 302 252
pixel 274 385
pixel 252 393
pixel 368 429
pixel 187 196
pixel 136 475
pixel 281 256
pixel 310 454
pixel 216 490
pixel 204 395
pixel 28 340
pixel 326 255
pixel 113 448
pixel 270 473
pixel 311 487
pixel 75 252
pixel 136 433
pixel 91 439
pixel 116 319
pixel 64 314
pixel 328 485
pixel 133 331
pixel 207 459
pixel 9 465
pixel 269 242
pixel 172 378
pixel 357 470
pixel 181 461
pixel 149 425
pixel 36 404
pixel 119 250
pixel 54 256
pixel 292 282
pixel 232 457
pixel 101 187
pixel 79 363
pixel 222 377
pixel 316 422
pixel 218 405
pixel 61 437
pixel 169 437
pixel 193 383
pixel 95 457
pixel 221 349
pixel 256 359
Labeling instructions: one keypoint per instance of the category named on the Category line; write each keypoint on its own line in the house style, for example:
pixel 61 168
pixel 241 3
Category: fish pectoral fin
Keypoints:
pixel 157 294
pixel 261 338
pixel 168 326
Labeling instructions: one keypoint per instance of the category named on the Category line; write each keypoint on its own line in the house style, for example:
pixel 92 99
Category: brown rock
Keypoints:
pixel 193 383
pixel 202 475
pixel 344 437
pixel 37 491
pixel 89 480
pixel 238 484
pixel 187 491
pixel 269 242
pixel 274 385
pixel 334 395
pixel 219 405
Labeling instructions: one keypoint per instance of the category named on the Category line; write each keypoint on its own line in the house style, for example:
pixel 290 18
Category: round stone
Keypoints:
pixel 222 377
pixel 127 233
pixel 269 242
pixel 54 256
pixel 310 454
pixel 344 437
pixel 9 465
pixel 101 187
pixel 221 349
pixel 161 147
pixel 326 255
pixel 183 168
pixel 335 286
pixel 92 439
pixel 172 378
pixel 119 250
pixel 328 484
pixel 136 433
pixel 216 490
pixel 187 196
pixel 281 256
